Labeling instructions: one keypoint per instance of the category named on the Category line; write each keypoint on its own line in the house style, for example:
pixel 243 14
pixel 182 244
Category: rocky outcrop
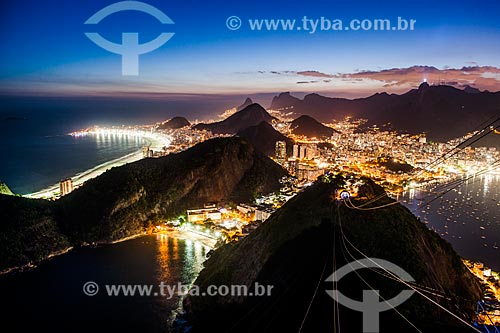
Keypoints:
pixel 174 123
pixel 248 101
pixel 310 127
pixel 127 200
pixel 250 116
pixel 301 244
pixel 28 231
pixel 4 189
pixel 263 137
pixel 119 202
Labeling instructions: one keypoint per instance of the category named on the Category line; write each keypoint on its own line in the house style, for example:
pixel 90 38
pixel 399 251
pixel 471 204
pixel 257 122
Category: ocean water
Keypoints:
pixel 467 217
pixel 36 151
pixel 37 162
pixel 50 298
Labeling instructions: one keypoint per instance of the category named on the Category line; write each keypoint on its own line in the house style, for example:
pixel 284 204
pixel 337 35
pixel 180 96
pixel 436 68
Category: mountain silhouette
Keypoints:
pixel 250 116
pixel 175 123
pixel 443 112
pixel 263 137
pixel 310 127
pixel 247 102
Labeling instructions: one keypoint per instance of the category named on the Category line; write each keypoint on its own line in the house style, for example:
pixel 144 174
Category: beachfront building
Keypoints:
pixel 202 214
pixel 66 186
pixel 147 152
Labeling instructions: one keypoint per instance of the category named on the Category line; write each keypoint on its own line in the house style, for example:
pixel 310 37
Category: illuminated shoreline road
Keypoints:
pixel 156 141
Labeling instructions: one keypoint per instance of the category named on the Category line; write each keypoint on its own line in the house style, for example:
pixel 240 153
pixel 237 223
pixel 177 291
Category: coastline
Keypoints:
pixel 32 266
pixel 124 239
pixel 80 178
pixel 180 234
pixel 185 234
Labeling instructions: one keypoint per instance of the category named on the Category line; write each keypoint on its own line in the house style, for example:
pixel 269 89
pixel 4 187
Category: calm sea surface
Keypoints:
pixel 468 218
pixel 36 152
pixel 50 298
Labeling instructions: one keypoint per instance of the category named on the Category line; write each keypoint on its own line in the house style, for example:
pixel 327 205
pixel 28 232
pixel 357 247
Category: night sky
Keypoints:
pixel 45 51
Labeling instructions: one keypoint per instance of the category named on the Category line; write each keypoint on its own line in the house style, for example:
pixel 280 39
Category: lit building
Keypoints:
pixel 281 151
pixel 66 186
pixel 311 152
pixel 487 272
pixel 295 150
pixel 291 165
pixel 263 213
pixel 307 171
pixel 245 209
pixel 146 152
pixel 203 214
pixel 302 152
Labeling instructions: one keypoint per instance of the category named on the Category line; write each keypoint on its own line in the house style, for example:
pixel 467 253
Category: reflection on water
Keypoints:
pixel 193 256
pixel 468 217
pixel 179 260
pixel 51 295
pixel 111 141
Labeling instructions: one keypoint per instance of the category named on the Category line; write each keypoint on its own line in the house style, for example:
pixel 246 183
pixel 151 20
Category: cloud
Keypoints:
pixel 314 74
pixel 477 76
pixel 399 79
pixel 304 82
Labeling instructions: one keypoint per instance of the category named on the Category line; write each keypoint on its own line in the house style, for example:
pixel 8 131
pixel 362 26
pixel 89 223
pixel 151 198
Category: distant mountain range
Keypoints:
pixel 263 137
pixel 175 123
pixel 253 122
pixel 310 127
pixel 443 112
pixel 251 115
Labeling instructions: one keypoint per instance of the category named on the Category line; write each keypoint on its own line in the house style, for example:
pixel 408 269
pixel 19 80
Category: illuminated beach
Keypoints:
pixel 155 141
